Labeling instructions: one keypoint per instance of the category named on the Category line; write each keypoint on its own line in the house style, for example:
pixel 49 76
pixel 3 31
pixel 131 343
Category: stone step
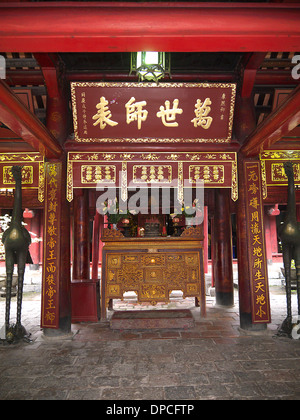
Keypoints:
pixel 152 319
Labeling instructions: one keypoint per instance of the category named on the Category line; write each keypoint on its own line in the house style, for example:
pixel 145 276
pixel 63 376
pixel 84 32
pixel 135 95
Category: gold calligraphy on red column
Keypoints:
pixel 50 306
pixel 256 245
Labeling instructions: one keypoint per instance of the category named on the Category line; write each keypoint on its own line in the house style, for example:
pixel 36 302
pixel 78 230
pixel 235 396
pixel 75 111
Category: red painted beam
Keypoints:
pixel 281 121
pixel 15 115
pixel 95 27
pixel 275 77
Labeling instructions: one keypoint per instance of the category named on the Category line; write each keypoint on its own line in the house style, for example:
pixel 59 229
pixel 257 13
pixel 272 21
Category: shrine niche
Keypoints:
pixel 149 113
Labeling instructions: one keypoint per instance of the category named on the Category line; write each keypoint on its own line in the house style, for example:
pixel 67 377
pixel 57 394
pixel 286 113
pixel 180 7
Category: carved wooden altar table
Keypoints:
pixel 152 267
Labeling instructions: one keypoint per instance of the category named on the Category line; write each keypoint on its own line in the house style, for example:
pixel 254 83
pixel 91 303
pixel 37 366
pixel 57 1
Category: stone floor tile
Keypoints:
pixel 180 393
pixel 212 360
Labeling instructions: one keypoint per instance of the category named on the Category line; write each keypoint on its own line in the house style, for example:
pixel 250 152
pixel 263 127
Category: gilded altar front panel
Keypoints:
pixel 152 275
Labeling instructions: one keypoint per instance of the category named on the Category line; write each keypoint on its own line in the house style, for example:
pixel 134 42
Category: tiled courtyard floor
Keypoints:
pixel 212 360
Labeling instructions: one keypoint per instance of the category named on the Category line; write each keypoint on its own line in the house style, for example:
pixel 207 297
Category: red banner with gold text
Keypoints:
pixel 256 245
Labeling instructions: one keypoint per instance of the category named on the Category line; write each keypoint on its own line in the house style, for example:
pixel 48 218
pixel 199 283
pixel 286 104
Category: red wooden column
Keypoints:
pixel 273 234
pixel 222 255
pixel 81 242
pixel 272 213
pixel 35 229
pixel 96 244
pixel 268 237
pixel 85 290
pixel 205 245
pixel 298 212
pixel 56 291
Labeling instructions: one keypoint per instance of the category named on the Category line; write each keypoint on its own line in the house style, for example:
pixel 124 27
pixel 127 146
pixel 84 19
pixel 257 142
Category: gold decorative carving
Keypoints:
pixel 21 157
pixel 152 276
pixel 114 290
pixel 130 276
pixel 111 234
pixel 124 191
pixel 161 156
pixel 211 174
pixel 33 174
pixel 130 258
pixel 153 293
pixel 152 173
pixel 41 189
pixel 153 260
pixel 150 156
pixel 263 179
pixel 191 259
pixel 114 261
pixel 175 257
pixel 180 182
pixel 192 288
pixel 27 175
pixel 234 182
pixel 192 232
pixel 278 172
pixel 98 173
pixel 70 181
pixel 280 155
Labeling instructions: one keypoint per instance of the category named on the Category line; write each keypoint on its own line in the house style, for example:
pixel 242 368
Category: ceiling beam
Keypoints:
pixel 16 116
pixel 263 77
pixel 113 27
pixel 249 73
pixel 57 99
pixel 280 122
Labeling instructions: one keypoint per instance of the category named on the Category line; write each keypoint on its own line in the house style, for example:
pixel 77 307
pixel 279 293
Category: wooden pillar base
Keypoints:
pixel 64 329
pixel 224 298
pixel 246 323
